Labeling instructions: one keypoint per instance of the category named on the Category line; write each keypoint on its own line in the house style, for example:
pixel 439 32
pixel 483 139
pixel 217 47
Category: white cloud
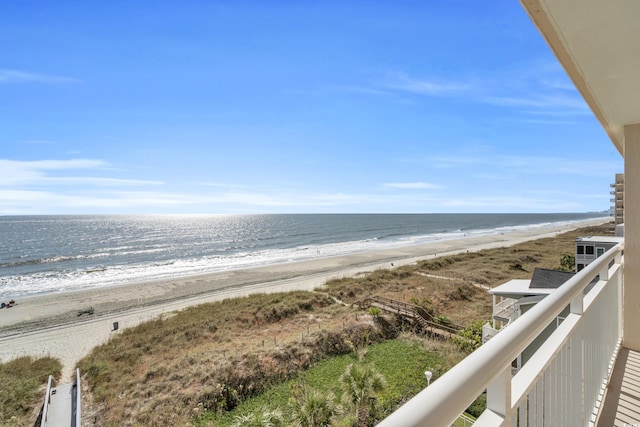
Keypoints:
pixel 14 76
pixel 223 185
pixel 531 89
pixel 550 101
pixel 455 161
pixel 411 185
pixel 520 165
pixel 558 84
pixel 37 141
pixel 15 173
pixel 512 203
pixel 358 89
pixel 549 122
pixel 94 200
pixel 90 180
pixel 285 199
pixel 434 86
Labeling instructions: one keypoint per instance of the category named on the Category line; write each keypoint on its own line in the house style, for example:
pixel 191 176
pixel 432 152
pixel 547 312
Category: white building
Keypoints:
pixel 591 247
pixel 617 201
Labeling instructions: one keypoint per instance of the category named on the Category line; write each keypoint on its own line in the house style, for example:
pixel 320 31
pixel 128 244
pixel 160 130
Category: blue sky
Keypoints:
pixel 283 106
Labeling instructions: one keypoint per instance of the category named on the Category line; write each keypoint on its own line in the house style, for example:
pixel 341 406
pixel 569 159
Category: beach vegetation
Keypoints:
pixel 400 361
pixel 361 384
pixel 212 357
pixel 260 419
pixel 374 311
pixel 470 338
pixel 568 262
pixel 23 384
pixel 310 407
pixel 212 363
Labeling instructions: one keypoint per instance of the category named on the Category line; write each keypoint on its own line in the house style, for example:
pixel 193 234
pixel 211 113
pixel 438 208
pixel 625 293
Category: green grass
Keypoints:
pixel 400 361
pixel 21 383
pixel 462 423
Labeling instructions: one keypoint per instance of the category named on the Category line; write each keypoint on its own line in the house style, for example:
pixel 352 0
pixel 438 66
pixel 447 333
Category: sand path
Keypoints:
pixel 50 324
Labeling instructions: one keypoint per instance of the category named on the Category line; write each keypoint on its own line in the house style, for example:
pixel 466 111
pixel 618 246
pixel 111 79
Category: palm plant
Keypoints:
pixel 259 419
pixel 310 407
pixel 361 383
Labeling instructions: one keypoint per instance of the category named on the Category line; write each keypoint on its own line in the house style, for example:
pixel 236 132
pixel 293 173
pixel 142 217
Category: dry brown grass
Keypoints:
pixel 210 357
pixel 454 286
pixel 22 388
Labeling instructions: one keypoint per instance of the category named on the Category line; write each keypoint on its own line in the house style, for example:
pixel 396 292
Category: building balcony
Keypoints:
pixel 573 378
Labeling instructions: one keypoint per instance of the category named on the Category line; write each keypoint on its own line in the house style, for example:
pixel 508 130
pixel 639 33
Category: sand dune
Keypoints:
pixel 50 324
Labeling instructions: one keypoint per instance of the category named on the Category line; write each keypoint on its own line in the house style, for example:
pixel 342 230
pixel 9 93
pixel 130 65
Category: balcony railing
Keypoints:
pixel 560 385
pixel 503 310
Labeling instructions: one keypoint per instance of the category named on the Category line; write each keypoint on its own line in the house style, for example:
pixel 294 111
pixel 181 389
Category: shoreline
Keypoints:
pixel 50 324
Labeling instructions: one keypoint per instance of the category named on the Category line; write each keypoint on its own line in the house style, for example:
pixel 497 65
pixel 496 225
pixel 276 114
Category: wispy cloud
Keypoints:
pixel 550 101
pixel 365 90
pixel 55 172
pixel 223 185
pixel 99 200
pixel 105 182
pixel 509 202
pixel 519 165
pixel 37 141
pixel 454 161
pixel 536 89
pixel 15 76
pixel 558 84
pixel 549 122
pixel 425 86
pixel 411 185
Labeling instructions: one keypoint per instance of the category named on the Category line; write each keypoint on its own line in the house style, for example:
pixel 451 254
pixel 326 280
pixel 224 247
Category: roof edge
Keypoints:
pixel 543 20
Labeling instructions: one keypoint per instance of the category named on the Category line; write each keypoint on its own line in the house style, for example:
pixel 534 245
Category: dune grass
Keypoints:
pixel 213 356
pixel 206 360
pixel 22 384
pixel 455 286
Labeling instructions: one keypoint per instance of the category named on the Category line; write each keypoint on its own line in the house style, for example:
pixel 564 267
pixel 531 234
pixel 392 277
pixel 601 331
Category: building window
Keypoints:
pixel 599 252
pixel 580 267
pixel 580 250
pixel 588 250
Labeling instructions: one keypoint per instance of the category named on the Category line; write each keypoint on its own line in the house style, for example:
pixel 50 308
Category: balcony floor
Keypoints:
pixel 621 405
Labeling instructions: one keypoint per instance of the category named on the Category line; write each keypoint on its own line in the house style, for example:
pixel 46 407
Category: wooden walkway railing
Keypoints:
pixel 412 311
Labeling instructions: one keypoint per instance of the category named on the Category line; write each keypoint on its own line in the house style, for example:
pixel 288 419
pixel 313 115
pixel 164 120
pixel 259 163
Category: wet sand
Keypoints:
pixel 52 324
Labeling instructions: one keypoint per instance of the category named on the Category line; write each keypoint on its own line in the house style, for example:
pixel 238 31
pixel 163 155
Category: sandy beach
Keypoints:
pixel 52 324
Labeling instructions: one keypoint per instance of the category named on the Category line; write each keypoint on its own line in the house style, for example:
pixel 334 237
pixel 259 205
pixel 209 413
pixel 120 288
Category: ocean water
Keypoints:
pixel 45 254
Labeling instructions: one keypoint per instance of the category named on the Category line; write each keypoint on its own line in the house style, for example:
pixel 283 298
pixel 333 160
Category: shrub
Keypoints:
pixel 478 406
pixel 567 262
pixel 374 311
pixel 470 337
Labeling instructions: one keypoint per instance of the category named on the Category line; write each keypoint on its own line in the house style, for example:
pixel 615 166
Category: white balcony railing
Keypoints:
pixel 560 385
pixel 504 309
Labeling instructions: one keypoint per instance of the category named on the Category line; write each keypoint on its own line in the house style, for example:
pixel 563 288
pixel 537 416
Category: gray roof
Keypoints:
pixel 544 278
pixel 548 279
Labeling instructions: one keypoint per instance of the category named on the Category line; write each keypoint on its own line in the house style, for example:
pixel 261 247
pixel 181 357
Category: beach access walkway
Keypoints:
pixel 61 406
pixel 428 323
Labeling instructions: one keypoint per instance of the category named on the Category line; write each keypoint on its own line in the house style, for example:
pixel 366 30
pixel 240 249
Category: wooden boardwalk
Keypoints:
pixel 414 312
pixel 621 407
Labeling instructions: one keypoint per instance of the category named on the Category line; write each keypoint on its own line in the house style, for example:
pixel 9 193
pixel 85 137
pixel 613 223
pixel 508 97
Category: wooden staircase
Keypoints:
pixel 416 313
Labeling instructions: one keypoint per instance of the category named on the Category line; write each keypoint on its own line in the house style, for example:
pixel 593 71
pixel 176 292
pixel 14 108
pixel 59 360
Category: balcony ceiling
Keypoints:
pixel 598 44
